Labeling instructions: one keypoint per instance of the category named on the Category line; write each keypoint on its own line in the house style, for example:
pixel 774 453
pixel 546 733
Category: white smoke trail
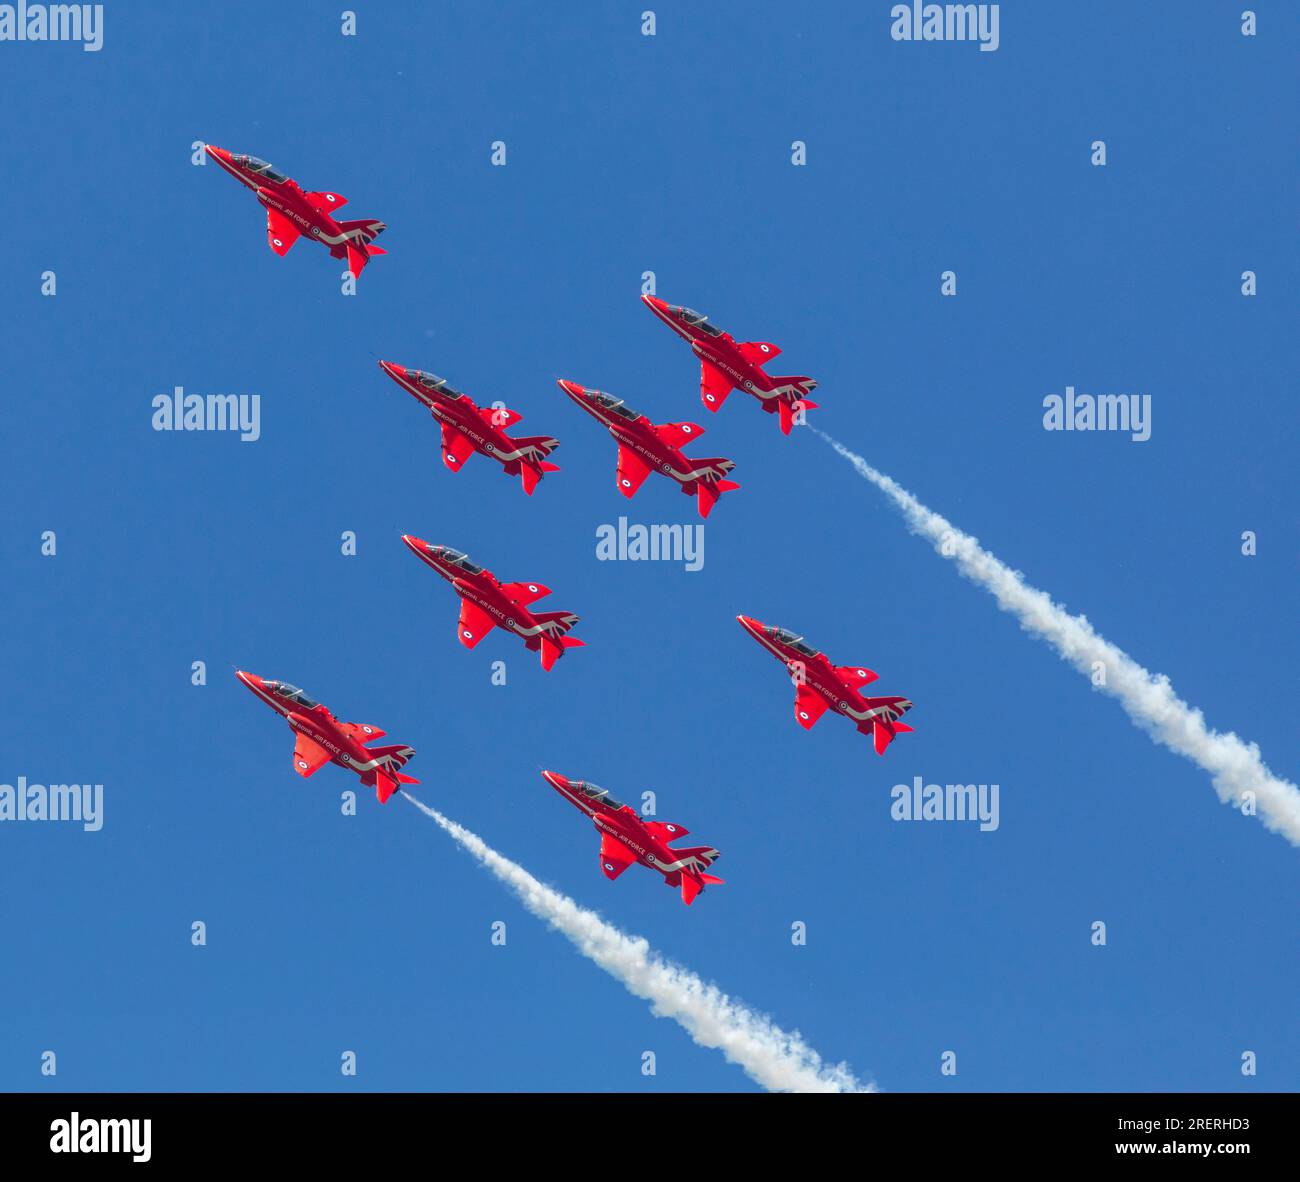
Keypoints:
pixel 779 1061
pixel 1238 773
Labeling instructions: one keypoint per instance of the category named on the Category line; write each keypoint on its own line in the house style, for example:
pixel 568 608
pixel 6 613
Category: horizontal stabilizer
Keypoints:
pixel 883 732
pixel 357 260
pixel 792 412
pixel 707 493
pixel 552 648
pixel 385 786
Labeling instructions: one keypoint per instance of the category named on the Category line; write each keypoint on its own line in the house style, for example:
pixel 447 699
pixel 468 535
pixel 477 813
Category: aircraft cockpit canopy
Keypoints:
pixel 434 382
pixel 795 642
pixel 700 321
pixel 596 794
pixel 293 694
pixel 253 164
pixel 616 405
pixel 459 560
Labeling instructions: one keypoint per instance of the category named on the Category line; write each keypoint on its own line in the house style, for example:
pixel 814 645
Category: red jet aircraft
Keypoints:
pixel 486 603
pixel 819 684
pixel 726 363
pixel 626 838
pixel 321 738
pixel 290 212
pixel 468 428
pixel 644 448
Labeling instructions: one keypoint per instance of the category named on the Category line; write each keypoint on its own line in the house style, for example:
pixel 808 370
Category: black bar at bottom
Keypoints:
pixel 492 1130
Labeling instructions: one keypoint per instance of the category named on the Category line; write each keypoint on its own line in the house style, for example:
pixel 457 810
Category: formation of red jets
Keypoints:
pixel 487 603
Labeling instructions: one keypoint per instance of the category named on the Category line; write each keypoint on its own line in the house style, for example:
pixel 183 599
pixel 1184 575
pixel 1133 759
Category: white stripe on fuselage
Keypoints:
pixel 527 452
pixel 708 472
pixel 329 239
pixel 840 703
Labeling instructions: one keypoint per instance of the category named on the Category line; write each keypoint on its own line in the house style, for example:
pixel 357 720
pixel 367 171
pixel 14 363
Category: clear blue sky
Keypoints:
pixel 627 154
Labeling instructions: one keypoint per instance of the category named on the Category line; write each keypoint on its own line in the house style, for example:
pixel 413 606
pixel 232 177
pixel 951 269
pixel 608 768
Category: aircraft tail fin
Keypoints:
pixel 793 402
pixel 553 649
pixel 358 257
pixel 369 229
pixel 885 726
pixel 385 786
pixel 707 493
pixel 390 760
pixel 699 856
pixel 693 882
pixel 533 466
pixel 539 446
pixel 552 639
pixel 530 474
pixel 361 233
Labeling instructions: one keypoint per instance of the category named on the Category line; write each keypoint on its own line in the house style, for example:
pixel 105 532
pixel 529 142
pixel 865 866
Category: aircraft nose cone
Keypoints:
pixel 390 368
pixel 570 388
pixel 653 302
